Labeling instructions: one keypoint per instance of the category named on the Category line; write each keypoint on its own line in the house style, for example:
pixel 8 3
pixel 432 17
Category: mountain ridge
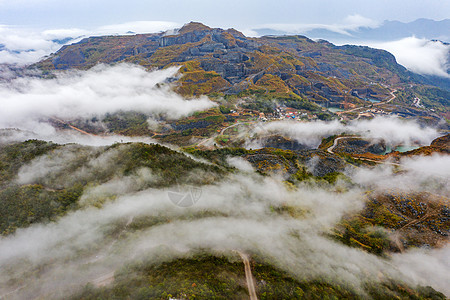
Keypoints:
pixel 220 62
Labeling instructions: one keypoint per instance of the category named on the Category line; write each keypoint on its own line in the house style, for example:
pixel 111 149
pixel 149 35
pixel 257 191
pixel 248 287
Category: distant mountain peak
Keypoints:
pixel 235 33
pixel 193 26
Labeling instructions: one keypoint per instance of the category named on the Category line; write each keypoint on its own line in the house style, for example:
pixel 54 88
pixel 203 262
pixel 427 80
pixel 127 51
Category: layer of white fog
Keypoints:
pixel 394 131
pixel 28 103
pixel 21 46
pixel 80 248
pixel 421 56
pixel 8 136
pixel 421 173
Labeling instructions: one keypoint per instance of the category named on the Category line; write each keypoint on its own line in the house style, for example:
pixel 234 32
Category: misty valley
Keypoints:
pixel 199 163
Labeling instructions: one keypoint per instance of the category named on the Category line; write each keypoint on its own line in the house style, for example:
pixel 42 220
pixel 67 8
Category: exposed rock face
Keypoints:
pixel 69 58
pixel 321 163
pixel 360 146
pixel 231 72
pixel 442 142
pixel 281 142
pixel 270 164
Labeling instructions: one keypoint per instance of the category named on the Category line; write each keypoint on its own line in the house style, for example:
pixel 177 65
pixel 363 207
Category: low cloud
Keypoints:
pixel 85 94
pixel 14 39
pixel 22 46
pixel 240 164
pixel 79 248
pixel 433 165
pixel 13 135
pixel 356 21
pixel 346 27
pixel 392 130
pixel 422 264
pixel 52 169
pixel 419 55
pixel 67 166
pixel 423 173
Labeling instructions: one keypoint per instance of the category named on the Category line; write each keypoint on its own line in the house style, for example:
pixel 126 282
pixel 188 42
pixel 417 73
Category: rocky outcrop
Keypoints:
pixel 69 58
pixel 283 143
pixel 359 146
pixel 321 163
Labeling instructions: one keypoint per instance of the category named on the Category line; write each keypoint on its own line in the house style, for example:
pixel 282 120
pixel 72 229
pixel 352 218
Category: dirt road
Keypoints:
pixel 104 280
pixel 73 127
pixel 233 125
pixel 248 276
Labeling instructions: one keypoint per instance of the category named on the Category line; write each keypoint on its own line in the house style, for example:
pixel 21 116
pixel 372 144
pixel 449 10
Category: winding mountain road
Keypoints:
pixel 207 140
pixel 336 140
pixel 393 96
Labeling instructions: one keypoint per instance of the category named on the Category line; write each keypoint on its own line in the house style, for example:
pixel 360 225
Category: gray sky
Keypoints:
pixel 241 14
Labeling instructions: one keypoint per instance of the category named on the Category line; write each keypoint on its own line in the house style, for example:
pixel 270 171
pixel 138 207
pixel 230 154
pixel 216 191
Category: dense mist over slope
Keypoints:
pixel 392 130
pixel 242 211
pixel 104 89
pixel 248 226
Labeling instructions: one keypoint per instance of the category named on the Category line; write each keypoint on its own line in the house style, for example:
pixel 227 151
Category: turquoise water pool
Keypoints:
pixel 335 109
pixel 372 100
pixel 403 148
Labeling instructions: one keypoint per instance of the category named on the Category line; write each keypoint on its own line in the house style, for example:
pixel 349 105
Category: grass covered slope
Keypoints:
pixel 212 277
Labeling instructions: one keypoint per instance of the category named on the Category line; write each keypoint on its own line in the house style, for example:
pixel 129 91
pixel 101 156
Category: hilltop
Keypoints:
pixel 218 62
